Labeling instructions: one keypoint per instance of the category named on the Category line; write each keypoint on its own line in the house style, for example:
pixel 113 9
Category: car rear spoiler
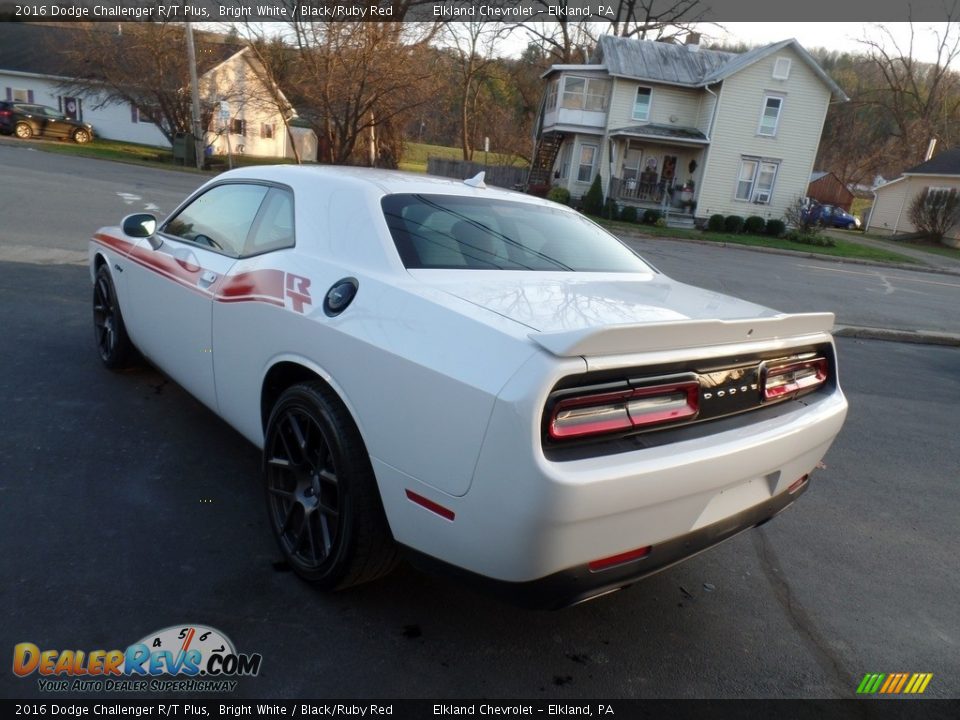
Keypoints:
pixel 679 334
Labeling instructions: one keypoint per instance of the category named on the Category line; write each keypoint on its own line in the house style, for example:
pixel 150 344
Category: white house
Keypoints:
pixel 31 70
pixel 734 134
pixel 254 124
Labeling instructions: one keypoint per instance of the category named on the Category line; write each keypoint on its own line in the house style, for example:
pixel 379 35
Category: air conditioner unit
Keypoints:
pixel 762 198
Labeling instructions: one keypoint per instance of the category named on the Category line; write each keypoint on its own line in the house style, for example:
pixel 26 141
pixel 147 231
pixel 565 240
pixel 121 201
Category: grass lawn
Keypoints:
pixel 110 150
pixel 415 156
pixel 843 248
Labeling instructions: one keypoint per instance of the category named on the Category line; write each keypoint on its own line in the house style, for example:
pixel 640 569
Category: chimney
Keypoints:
pixel 693 41
pixel 930 147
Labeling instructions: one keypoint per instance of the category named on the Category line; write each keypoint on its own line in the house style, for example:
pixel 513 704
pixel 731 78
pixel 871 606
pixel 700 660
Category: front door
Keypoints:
pixel 172 287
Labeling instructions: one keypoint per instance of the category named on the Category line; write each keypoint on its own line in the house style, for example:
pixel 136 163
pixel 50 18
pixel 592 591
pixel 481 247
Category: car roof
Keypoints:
pixel 375 181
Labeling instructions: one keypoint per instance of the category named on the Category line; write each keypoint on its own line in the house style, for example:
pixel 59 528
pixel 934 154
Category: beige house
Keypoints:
pixel 253 123
pixel 668 125
pixel 891 203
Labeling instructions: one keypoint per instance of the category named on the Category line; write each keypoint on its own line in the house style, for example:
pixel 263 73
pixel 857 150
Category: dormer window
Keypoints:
pixel 641 105
pixel 781 69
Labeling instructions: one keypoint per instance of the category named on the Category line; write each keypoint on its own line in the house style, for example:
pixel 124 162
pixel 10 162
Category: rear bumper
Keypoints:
pixel 580 583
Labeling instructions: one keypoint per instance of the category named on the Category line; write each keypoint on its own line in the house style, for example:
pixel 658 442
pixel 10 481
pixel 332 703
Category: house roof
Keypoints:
pixel 657 130
pixel 658 61
pixel 33 48
pixel 680 65
pixel 817 174
pixel 946 163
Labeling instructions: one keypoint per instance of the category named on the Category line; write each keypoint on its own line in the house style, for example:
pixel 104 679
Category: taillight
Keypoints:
pixel 5 113
pixel 624 409
pixel 780 382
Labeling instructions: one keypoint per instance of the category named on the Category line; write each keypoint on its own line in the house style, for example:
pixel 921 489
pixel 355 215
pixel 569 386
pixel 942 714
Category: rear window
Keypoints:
pixel 447 231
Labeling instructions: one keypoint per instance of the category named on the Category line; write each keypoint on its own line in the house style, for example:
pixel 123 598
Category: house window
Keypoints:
pixel 21 95
pixel 781 69
pixel 566 153
pixel 238 126
pixel 585 93
pixel 641 105
pixel 588 159
pixel 551 96
pixel 266 131
pixel 755 180
pixel 771 115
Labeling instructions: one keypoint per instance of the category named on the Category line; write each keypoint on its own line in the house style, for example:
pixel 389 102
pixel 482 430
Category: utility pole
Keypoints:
pixel 194 99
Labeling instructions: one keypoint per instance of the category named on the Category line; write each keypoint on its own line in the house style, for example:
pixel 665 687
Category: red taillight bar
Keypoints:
pixel 624 409
pixel 779 382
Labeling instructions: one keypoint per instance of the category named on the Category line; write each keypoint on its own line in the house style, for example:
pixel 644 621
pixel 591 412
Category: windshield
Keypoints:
pixel 448 231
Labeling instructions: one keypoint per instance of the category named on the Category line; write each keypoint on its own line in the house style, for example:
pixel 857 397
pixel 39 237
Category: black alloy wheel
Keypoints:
pixel 323 502
pixel 110 333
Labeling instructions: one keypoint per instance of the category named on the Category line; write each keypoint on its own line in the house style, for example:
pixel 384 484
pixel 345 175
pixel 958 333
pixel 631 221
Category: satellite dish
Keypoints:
pixel 477 181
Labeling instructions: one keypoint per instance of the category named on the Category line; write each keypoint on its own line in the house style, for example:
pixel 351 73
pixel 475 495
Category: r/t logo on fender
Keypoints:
pixel 298 290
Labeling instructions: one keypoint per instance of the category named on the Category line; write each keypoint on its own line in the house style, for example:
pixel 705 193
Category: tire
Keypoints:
pixel 23 131
pixel 81 136
pixel 113 344
pixel 322 497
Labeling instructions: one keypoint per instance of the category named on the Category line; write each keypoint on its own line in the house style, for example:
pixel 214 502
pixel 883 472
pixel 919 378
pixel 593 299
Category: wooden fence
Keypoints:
pixel 506 176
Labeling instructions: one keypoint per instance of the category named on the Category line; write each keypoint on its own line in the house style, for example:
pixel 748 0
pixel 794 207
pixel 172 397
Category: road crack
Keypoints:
pixel 826 657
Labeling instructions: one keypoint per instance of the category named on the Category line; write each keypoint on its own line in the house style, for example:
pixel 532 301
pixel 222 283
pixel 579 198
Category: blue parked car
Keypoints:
pixel 832 216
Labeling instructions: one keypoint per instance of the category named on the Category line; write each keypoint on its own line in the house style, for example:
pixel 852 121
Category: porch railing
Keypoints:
pixel 638 189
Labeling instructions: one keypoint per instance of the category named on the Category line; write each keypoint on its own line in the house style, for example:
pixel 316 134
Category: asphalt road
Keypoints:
pixel 126 507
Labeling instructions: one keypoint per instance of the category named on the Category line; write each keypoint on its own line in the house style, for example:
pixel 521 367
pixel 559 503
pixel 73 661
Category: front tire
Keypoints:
pixel 113 344
pixel 81 136
pixel 322 497
pixel 24 131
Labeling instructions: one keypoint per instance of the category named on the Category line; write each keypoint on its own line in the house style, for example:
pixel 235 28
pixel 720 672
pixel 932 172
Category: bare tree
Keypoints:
pixel 656 19
pixel 356 83
pixel 921 99
pixel 143 65
pixel 471 44
pixel 273 63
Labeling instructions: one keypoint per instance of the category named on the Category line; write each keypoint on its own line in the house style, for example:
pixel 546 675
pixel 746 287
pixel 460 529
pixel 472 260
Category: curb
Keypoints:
pixel 904 336
pixel 795 253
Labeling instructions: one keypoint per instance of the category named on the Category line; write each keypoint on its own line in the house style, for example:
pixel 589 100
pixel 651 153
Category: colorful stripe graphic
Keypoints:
pixel 894 683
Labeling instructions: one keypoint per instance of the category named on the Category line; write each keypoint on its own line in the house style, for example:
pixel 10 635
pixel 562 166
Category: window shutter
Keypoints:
pixel 9 94
pixel 29 96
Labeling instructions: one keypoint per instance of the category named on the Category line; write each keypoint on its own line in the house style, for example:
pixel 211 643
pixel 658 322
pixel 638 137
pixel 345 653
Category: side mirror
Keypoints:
pixel 141 225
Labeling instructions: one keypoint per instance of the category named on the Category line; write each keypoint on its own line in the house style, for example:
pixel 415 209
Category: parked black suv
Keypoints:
pixel 26 120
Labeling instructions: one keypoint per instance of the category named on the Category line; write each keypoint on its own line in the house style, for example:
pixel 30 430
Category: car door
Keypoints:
pixel 175 275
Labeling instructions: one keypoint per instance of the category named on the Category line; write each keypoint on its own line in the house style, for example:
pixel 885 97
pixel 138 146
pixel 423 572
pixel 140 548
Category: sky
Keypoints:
pixel 841 36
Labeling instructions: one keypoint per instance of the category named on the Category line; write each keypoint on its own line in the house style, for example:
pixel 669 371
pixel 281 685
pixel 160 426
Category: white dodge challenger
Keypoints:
pixel 485 380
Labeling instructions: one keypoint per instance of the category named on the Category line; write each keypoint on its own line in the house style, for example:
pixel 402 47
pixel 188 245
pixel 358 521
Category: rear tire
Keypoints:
pixel 24 131
pixel 116 350
pixel 322 496
pixel 81 136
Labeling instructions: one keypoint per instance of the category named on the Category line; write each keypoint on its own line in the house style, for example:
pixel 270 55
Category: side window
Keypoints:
pixel 220 219
pixel 273 227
